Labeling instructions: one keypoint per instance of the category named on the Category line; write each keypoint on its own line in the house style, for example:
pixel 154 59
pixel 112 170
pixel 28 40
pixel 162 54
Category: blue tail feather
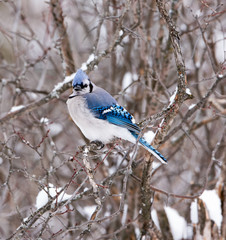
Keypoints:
pixel 152 150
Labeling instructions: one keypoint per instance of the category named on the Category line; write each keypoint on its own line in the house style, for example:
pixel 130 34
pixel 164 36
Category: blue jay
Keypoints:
pixel 99 116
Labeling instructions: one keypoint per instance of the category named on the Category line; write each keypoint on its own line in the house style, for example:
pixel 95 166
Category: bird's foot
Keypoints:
pixel 98 145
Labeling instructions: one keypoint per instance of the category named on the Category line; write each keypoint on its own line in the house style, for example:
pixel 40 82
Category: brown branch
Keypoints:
pixel 223 196
pixel 213 158
pixel 194 127
pixel 213 63
pixel 55 93
pixel 95 187
pixel 29 222
pixel 180 96
pixel 65 44
pixel 197 106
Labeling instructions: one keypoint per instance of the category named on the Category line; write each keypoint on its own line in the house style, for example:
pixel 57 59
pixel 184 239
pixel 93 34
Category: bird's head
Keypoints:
pixel 81 84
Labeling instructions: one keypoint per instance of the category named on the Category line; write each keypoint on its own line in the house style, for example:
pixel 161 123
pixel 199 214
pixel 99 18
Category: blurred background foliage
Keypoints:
pixel 41 146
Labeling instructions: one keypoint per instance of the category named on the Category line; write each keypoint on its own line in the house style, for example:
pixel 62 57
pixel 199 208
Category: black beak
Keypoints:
pixel 74 94
pixel 77 88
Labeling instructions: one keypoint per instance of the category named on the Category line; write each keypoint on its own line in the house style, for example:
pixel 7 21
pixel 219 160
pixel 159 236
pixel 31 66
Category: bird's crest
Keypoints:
pixel 80 76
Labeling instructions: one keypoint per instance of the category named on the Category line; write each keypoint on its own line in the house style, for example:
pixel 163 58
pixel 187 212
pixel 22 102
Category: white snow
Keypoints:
pixel 125 40
pixel 155 219
pixel 191 106
pixel 107 214
pixel 120 33
pixel 55 129
pixel 103 34
pixel 161 123
pixel 42 197
pixel 86 211
pixel 108 210
pixel 194 212
pixel 198 13
pixel 124 215
pixel 34 96
pixel 190 232
pixel 4 81
pixel 183 27
pixel 149 136
pixel 127 80
pixel 172 98
pixel 1 160
pixel 18 90
pixel 89 60
pixel 177 224
pixel 220 44
pixel 69 78
pixel 220 75
pixel 137 232
pixel 44 120
pixel 197 64
pixel 16 108
pixel 155 165
pixel 112 170
pixel 213 205
pixel 188 91
pixel 89 210
pixel 60 84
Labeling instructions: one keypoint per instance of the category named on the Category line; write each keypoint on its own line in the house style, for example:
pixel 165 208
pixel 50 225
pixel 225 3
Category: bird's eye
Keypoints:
pixel 85 85
pixel 77 88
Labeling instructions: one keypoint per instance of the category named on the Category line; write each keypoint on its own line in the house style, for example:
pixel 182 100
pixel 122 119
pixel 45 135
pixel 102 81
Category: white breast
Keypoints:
pixel 94 128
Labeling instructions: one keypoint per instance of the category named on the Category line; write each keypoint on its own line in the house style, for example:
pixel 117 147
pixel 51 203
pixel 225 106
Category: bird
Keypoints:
pixel 99 116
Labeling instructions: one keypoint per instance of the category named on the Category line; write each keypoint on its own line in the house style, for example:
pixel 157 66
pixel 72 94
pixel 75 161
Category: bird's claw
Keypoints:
pixel 96 145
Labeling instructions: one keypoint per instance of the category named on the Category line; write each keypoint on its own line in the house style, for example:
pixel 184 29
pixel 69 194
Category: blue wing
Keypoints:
pixel 119 116
pixel 104 106
pixel 116 115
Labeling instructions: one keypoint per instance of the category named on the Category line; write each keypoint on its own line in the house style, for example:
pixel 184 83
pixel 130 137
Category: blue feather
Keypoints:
pixel 95 99
pixel 147 146
pixel 116 115
pixel 79 77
